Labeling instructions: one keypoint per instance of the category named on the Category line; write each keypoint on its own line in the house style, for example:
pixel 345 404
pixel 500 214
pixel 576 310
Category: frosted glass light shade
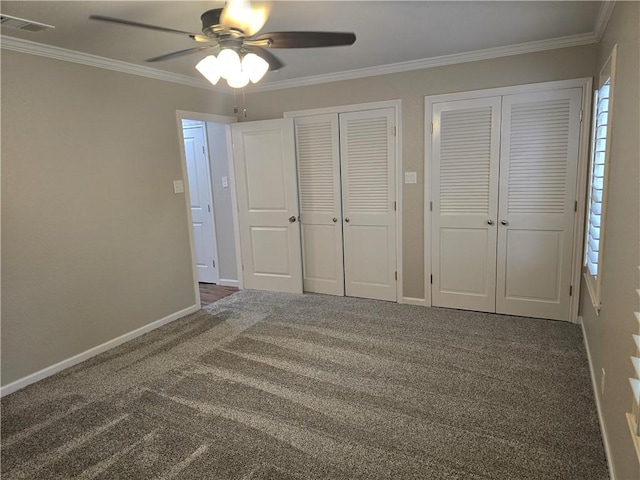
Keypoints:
pixel 208 67
pixel 228 63
pixel 254 66
pixel 238 80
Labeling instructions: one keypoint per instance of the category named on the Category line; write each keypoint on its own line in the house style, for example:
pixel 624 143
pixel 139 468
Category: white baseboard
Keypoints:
pixel 414 301
pixel 81 357
pixel 594 384
pixel 228 282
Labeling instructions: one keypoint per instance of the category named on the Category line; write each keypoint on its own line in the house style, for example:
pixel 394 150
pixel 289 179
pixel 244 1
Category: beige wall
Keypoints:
pixel 411 88
pixel 609 334
pixel 94 241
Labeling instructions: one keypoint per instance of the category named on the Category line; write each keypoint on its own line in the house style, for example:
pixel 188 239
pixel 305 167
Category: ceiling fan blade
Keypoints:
pixel 245 16
pixel 274 62
pixel 305 39
pixel 179 53
pixel 143 25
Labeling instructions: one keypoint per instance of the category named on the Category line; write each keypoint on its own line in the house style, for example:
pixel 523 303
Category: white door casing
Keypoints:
pixel 266 190
pixel 465 153
pixel 367 153
pixel 538 173
pixel 318 157
pixel 203 224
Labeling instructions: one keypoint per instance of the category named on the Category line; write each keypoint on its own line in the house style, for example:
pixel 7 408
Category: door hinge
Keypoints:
pixel 209 208
pixel 214 263
pixel 243 267
pixel 431 206
pixel 394 131
pixel 575 206
pixel 396 276
pixel 431 127
pixel 432 279
pixel 395 206
pixel 581 114
pixel 570 290
pixel 203 150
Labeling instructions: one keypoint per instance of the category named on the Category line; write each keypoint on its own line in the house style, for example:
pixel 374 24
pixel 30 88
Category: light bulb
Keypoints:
pixel 254 66
pixel 239 80
pixel 228 63
pixel 208 67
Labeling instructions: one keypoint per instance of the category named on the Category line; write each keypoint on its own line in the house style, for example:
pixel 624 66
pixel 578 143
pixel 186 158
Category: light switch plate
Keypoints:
pixel 410 177
pixel 178 186
pixel 225 182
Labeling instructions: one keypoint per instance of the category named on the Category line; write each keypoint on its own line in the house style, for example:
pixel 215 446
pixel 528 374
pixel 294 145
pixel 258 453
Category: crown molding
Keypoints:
pixel 486 54
pixel 57 53
pixel 34 48
pixel 604 14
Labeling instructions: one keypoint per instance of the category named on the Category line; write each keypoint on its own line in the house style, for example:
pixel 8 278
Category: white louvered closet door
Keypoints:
pixel 318 157
pixel 466 142
pixel 367 152
pixel 538 168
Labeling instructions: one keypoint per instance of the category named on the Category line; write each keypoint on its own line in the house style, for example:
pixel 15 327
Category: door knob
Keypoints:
pixel 490 222
pixel 335 219
pixel 292 218
pixel 504 222
pixel 346 219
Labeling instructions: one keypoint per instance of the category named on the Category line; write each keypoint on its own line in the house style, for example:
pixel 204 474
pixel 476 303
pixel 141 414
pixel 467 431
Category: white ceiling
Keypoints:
pixel 388 32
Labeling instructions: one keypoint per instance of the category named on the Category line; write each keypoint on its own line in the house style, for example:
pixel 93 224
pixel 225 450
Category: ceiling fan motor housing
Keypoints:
pixel 211 21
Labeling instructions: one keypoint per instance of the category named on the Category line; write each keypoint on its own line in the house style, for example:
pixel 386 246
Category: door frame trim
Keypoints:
pixel 583 151
pixel 204 117
pixel 359 107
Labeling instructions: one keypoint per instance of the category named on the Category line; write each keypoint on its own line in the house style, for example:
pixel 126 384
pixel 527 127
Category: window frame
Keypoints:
pixel 594 282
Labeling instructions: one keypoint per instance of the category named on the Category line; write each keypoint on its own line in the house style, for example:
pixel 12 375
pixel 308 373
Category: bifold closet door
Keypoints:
pixel 367 154
pixel 318 157
pixel 538 173
pixel 466 146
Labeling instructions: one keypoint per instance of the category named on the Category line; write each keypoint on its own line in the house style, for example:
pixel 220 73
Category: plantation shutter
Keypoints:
pixel 601 114
pixel 599 166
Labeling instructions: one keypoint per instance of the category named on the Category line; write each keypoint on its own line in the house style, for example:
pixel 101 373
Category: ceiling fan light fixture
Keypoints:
pixel 254 66
pixel 209 68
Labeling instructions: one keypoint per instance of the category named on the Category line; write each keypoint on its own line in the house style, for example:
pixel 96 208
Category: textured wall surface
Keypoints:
pixel 609 334
pixel 94 241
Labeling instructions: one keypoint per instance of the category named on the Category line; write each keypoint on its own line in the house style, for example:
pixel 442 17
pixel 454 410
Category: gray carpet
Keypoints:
pixel 279 386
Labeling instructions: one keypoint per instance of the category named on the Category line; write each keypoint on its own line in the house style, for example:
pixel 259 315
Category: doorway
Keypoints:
pixel 209 197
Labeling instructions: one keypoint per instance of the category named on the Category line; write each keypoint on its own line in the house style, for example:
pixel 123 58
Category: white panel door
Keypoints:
pixel 204 238
pixel 318 157
pixel 465 153
pixel 538 168
pixel 367 152
pixel 266 189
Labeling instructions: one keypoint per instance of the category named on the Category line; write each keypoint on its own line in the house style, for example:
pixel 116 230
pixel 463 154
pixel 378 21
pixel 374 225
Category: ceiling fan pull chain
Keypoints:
pixel 235 103
pixel 244 101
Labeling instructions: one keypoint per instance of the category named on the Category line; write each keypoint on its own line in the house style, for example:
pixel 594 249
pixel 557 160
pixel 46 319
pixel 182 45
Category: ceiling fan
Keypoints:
pixel 232 33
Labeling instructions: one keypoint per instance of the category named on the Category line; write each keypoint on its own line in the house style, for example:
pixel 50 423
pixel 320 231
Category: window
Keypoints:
pixel 600 153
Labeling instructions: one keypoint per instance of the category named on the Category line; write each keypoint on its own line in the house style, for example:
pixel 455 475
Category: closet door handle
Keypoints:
pixel 335 219
pixel 504 222
pixel 490 222
pixel 292 218
pixel 346 219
